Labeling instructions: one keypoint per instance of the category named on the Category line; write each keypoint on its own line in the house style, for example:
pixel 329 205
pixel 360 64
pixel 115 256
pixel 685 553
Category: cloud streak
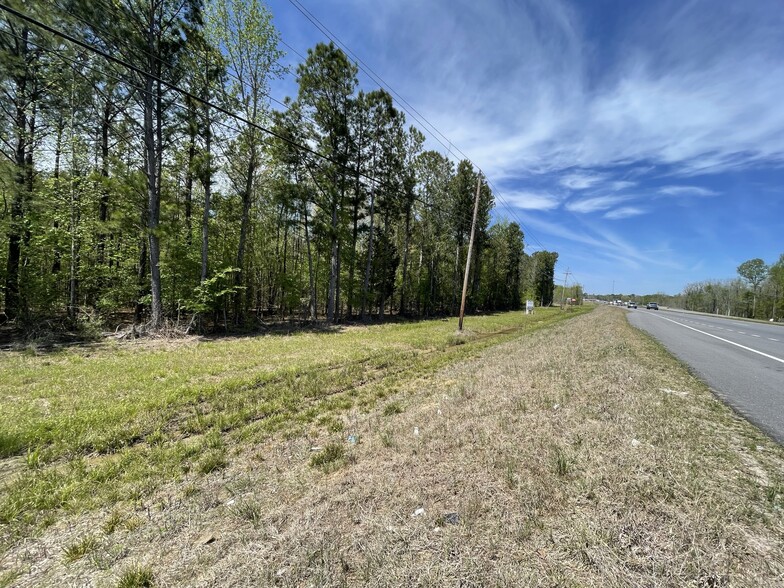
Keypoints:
pixel 531 200
pixel 687 191
pixel 510 85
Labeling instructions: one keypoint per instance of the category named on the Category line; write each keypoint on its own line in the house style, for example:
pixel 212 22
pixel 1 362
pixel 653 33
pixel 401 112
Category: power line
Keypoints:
pixel 406 106
pixel 186 93
pixel 176 88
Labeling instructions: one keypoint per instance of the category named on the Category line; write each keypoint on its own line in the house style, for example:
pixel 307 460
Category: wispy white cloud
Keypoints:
pixel 621 185
pixel 512 85
pixel 687 191
pixel 670 92
pixel 581 180
pixel 531 200
pixel 595 204
pixel 624 212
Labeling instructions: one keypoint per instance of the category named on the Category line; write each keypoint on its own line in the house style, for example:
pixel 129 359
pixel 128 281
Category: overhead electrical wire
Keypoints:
pixel 175 87
pixel 184 92
pixel 406 106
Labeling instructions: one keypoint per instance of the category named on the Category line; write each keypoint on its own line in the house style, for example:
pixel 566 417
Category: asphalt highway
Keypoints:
pixel 742 362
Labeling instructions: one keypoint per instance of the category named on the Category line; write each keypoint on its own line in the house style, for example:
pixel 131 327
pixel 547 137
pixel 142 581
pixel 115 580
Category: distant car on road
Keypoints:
pixel 631 304
pixel 652 306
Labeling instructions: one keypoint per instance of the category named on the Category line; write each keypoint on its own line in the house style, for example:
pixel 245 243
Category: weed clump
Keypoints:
pixel 329 458
pixel 78 550
pixel 392 408
pixel 137 577
pixel 213 460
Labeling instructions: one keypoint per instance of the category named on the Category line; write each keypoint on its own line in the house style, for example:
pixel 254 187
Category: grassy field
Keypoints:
pixel 533 451
pixel 84 427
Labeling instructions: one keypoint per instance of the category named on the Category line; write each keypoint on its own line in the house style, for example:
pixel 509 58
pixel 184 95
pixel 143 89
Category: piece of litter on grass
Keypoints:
pixel 418 512
pixel 416 431
pixel 439 412
pixel 760 448
pixel 452 518
pixel 635 443
pixel 230 502
pixel 280 572
pixel 556 406
pixel 676 392
pixel 316 448
pixel 352 439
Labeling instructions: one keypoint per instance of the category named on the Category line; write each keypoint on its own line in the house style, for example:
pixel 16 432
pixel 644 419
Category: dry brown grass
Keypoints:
pixel 578 456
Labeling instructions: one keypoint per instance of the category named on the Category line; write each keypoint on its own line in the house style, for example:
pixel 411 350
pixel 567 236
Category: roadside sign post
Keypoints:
pixel 529 307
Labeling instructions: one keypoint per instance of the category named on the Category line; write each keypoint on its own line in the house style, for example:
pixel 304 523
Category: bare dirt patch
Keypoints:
pixel 552 460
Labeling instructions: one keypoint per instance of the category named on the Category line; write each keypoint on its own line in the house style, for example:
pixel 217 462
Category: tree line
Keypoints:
pixel 757 292
pixel 147 175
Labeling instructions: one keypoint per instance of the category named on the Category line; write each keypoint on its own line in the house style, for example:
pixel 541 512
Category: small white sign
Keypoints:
pixel 529 307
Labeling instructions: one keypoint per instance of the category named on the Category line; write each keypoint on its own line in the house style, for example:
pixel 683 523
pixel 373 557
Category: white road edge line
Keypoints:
pixel 774 358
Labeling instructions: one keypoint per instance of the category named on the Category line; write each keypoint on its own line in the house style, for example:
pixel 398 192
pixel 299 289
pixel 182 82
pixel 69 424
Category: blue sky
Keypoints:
pixel 643 141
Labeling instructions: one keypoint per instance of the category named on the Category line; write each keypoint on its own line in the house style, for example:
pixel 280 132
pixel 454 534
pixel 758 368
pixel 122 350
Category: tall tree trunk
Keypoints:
pixel 103 203
pixel 333 264
pixel 352 262
pixel 207 184
pixel 73 282
pixel 15 227
pixel 282 281
pixel 385 257
pixel 152 106
pixel 407 238
pixel 141 276
pixel 247 198
pixel 355 223
pixel 58 150
pixel 337 284
pixel 430 302
pixel 152 133
pixel 189 173
pixel 311 275
pixel 369 263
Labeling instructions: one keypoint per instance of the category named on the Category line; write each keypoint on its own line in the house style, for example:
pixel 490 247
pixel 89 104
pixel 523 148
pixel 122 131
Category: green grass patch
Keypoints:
pixel 136 577
pixel 8 578
pixel 76 551
pixel 112 423
pixel 393 408
pixel 329 457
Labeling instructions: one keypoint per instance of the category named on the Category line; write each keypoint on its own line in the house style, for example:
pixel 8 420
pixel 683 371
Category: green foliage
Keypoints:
pixel 329 456
pixel 209 294
pixel 754 271
pixel 78 550
pixel 124 226
pixel 214 459
pixel 544 275
pixel 392 408
pixel 137 577
pixel 759 294
pixel 502 279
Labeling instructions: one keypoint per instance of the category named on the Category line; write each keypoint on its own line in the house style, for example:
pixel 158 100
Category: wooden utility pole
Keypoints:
pixel 563 291
pixel 468 258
